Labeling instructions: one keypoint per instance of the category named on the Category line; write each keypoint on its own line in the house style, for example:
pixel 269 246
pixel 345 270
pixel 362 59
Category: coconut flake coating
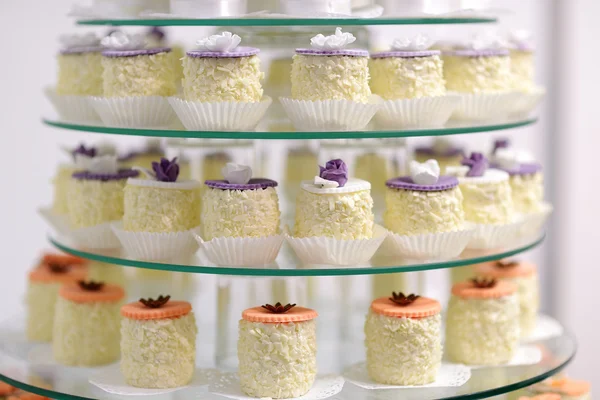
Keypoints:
pixel 80 74
pixel 317 78
pixel 443 161
pixel 407 78
pixel 522 68
pixel 414 213
pixel 107 273
pixel 477 74
pixel 337 215
pixel 482 331
pixel 158 353
pixel 61 186
pixel 94 202
pixel 403 351
pixel 527 192
pixel 41 300
pixel 152 209
pixel 240 213
pixel 144 75
pixel 277 360
pixel 86 334
pixel 222 79
pixel 488 202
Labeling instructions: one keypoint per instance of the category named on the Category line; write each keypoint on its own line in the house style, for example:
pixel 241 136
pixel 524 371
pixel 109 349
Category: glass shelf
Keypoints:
pixel 447 130
pixel 288 21
pixel 287 264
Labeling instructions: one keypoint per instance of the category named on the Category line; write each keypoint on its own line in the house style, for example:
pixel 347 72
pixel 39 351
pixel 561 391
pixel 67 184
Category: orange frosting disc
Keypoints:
pixel 63 259
pixel 468 290
pixel 107 294
pixel 296 314
pixel 44 274
pixel 27 396
pixel 6 389
pixel 546 396
pixel 492 270
pixel 173 309
pixel 570 387
pixel 420 308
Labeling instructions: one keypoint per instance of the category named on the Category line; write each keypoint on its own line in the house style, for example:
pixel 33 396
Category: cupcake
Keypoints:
pixel 524 276
pixel 444 151
pixel 280 342
pixel 482 326
pixel 404 340
pixel 566 388
pixel 149 325
pixel 86 324
pixel 80 66
pixel 43 285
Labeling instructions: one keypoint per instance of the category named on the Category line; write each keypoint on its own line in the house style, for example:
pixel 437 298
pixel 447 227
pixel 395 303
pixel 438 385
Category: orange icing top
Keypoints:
pixel 173 309
pixel 63 259
pixel 545 396
pixel 566 386
pixel 43 273
pixel 106 294
pixel 26 396
pixel 468 290
pixel 6 389
pixel 492 270
pixel 422 307
pixel 296 314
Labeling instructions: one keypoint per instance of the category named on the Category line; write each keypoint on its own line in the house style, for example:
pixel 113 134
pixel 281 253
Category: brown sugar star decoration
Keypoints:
pixel 58 268
pixel 402 300
pixel 278 308
pixel 506 264
pixel 482 283
pixel 159 302
pixel 90 286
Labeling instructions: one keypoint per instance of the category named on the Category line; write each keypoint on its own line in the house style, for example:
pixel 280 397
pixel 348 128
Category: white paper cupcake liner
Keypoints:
pixel 431 247
pixel 546 327
pixel 527 102
pixel 487 236
pixel 449 375
pixel 484 106
pixel 424 112
pixel 330 115
pixel 330 251
pixel 73 108
pixel 241 252
pixel 154 246
pixel 134 112
pixel 220 116
pixel 58 222
pixel 111 380
pixel 228 385
pixel 533 223
pixel 525 355
pixel 94 237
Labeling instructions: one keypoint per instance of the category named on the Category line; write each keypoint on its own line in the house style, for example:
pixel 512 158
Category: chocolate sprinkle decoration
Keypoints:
pixel 506 264
pixel 91 286
pixel 59 268
pixel 402 300
pixel 482 283
pixel 278 308
pixel 159 302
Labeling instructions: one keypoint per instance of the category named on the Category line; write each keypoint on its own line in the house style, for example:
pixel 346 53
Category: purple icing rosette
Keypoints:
pixel 500 144
pixel 85 151
pixel 335 170
pixel 477 164
pixel 165 170
pixel 253 184
pixel 444 182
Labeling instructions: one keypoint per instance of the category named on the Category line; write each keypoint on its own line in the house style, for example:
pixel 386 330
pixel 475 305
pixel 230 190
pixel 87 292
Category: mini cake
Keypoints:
pixel 404 340
pixel 160 203
pixel 482 326
pixel 408 71
pixel 277 351
pixel 221 71
pixel 130 70
pixel 423 202
pixel 86 324
pixel 522 62
pixel 524 276
pixel 143 157
pixel 150 325
pixel 96 192
pixel 566 388
pixel 443 151
pixel 239 206
pixel 42 292
pixel 80 66
pixel 487 196
pixel 328 71
pixel 334 206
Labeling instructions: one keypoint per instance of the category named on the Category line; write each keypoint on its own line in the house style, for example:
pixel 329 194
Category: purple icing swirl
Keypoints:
pixel 85 151
pixel 335 170
pixel 477 164
pixel 501 144
pixel 165 170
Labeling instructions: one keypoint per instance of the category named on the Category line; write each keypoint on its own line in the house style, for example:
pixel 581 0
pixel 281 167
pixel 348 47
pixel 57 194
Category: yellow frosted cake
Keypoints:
pixel 80 66
pixel 403 337
pixel 160 203
pixel 477 71
pixel 86 324
pixel 328 71
pixel 444 151
pixel 221 71
pixel 424 202
pixel 240 206
pixel 158 343
pixel 334 206
pixel 487 196
pixel 277 351
pixel 130 70
pixel 482 326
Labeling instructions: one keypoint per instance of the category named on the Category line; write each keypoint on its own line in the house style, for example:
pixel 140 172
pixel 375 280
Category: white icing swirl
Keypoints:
pixel 225 41
pixel 426 173
pixel 106 164
pixel 237 173
pixel 332 42
pixel 511 158
pixel 79 41
pixel 487 41
pixel 121 41
pixel 418 43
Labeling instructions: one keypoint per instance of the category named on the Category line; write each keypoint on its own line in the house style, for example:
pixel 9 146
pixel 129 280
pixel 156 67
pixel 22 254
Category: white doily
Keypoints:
pixel 546 327
pixel 525 355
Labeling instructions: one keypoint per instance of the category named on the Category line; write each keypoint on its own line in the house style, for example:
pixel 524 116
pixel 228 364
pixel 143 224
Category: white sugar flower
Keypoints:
pixel 487 41
pixel 511 158
pixel 121 41
pixel 226 41
pixel 426 173
pixel 457 170
pixel 79 41
pixel 417 43
pixel 106 164
pixel 332 42
pixel 237 173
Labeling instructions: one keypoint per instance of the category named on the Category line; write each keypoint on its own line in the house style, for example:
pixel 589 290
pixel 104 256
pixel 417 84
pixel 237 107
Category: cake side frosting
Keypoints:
pixel 94 202
pixel 527 192
pixel 477 74
pixel 487 203
pixel 403 351
pixel 41 300
pixel 277 360
pixel 61 187
pixel 80 74
pixel 522 68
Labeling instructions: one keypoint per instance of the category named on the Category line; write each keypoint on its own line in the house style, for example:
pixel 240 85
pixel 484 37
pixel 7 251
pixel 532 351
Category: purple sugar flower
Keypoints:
pixel 166 171
pixel 501 144
pixel 86 151
pixel 335 170
pixel 477 164
pixel 157 32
